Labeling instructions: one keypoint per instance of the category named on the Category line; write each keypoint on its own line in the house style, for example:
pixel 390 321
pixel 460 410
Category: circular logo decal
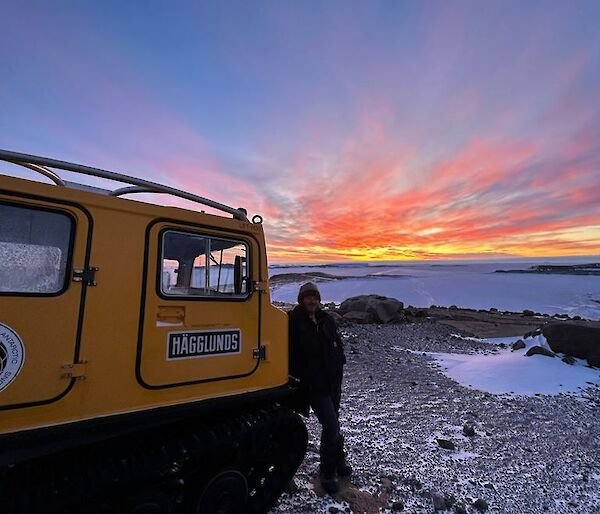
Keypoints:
pixel 12 355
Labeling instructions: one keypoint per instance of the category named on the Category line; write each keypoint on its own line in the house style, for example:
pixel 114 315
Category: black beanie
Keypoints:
pixel 308 288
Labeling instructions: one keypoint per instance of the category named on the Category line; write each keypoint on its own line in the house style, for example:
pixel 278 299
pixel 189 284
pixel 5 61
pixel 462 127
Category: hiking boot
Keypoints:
pixel 327 468
pixel 344 470
pixel 330 483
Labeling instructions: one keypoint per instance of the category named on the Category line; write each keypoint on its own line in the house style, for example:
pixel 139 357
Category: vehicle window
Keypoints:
pixel 34 250
pixel 203 266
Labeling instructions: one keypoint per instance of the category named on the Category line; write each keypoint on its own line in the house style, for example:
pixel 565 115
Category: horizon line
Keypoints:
pixel 435 259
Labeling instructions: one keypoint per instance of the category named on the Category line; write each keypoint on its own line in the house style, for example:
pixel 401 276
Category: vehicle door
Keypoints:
pixel 200 318
pixel 41 308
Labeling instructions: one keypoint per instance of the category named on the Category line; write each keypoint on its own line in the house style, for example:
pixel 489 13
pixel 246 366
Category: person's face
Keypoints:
pixel 310 302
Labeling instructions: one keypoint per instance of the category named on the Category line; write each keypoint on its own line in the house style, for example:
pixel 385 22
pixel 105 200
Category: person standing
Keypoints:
pixel 317 361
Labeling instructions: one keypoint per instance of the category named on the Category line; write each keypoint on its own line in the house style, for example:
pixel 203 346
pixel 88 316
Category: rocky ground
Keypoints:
pixel 494 323
pixel 532 454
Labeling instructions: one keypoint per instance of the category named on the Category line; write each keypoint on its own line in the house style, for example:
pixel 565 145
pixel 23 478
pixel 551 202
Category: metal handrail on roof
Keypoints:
pixel 41 165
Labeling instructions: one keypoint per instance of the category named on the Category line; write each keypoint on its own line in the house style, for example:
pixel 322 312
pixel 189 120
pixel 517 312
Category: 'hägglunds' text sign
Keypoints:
pixel 203 343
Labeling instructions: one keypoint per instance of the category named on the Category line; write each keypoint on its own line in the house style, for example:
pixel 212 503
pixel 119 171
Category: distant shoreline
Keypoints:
pixel 319 276
pixel 555 269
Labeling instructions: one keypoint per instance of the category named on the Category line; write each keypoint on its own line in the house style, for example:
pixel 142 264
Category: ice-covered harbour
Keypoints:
pixel 467 284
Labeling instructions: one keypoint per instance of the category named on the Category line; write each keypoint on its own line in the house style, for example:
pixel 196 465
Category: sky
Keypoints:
pixel 359 130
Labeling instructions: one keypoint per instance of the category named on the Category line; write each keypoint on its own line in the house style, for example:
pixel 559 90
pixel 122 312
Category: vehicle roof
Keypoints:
pixel 43 166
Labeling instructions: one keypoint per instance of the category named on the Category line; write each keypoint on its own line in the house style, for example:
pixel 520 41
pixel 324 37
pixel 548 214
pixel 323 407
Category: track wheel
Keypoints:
pixel 225 493
pixel 148 502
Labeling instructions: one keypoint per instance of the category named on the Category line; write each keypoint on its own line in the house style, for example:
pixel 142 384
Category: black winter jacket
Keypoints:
pixel 316 352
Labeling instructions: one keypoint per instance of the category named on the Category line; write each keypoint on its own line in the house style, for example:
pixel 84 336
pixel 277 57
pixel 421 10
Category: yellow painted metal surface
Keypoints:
pixel 47 327
pixel 123 371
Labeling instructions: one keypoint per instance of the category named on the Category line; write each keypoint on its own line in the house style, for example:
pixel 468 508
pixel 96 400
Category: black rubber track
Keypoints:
pixel 172 465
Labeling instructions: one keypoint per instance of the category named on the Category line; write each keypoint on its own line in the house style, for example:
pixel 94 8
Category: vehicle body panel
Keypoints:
pixel 120 363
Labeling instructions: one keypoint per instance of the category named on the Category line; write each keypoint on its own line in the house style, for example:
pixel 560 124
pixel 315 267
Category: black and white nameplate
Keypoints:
pixel 203 343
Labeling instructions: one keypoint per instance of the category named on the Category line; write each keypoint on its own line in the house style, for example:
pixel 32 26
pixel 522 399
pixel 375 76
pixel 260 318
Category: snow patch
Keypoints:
pixel 488 340
pixel 538 340
pixel 467 338
pixel 511 372
pixel 341 506
pixel 460 455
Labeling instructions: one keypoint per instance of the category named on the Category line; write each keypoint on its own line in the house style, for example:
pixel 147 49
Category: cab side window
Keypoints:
pixel 34 250
pixel 203 266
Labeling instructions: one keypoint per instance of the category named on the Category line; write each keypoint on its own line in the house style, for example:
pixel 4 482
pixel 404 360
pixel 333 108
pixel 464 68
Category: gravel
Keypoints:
pixel 534 454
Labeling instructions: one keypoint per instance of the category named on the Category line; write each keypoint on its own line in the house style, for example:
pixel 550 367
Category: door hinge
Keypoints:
pixel 87 275
pixel 260 353
pixel 74 370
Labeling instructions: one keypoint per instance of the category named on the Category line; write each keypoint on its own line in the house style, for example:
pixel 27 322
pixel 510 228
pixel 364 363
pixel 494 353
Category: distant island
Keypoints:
pixel 319 276
pixel 555 269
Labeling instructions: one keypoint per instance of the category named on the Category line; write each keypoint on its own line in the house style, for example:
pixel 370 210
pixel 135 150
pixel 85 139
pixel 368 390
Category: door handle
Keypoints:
pixel 171 314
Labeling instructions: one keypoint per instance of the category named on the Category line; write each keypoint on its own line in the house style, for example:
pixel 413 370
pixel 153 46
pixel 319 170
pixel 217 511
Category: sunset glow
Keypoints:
pixel 358 130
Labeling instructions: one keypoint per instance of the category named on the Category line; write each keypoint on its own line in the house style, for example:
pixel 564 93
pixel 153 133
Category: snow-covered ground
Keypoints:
pixel 531 453
pixel 470 285
pixel 512 372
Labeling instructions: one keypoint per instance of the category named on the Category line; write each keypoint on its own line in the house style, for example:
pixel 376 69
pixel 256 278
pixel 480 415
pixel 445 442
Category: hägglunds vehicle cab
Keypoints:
pixel 142 366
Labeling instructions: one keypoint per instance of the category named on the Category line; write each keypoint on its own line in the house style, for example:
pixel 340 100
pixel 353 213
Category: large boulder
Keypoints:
pixel 380 308
pixel 336 317
pixel 539 350
pixel 573 339
pixel 518 345
pixel 358 317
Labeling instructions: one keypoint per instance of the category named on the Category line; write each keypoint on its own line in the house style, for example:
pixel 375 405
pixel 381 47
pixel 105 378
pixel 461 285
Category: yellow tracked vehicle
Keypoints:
pixel 143 368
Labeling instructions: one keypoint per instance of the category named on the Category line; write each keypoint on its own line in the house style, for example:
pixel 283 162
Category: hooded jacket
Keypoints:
pixel 316 352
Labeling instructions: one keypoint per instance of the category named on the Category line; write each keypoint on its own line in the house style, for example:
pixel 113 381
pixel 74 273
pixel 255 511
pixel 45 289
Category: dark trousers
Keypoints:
pixel 327 409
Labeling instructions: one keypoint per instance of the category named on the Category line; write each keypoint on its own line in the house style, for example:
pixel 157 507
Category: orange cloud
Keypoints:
pixel 482 200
